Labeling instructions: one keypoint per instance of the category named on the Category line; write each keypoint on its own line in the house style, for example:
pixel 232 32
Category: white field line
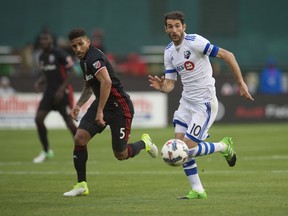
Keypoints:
pixel 178 172
pixel 256 158
pixel 260 158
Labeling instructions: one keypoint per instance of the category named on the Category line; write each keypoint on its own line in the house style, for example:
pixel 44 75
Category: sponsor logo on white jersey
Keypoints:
pixel 189 65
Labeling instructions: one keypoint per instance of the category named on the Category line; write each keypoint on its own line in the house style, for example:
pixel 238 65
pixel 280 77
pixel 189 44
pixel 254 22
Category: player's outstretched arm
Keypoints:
pixel 161 84
pixel 230 59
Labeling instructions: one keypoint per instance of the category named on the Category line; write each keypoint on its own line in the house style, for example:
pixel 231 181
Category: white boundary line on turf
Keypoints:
pixel 138 173
pixel 252 158
pixel 270 157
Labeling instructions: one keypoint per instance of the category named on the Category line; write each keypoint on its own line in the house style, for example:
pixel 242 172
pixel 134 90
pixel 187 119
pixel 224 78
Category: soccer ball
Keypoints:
pixel 174 152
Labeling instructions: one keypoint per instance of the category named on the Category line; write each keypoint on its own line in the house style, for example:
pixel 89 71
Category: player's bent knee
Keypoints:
pixel 81 139
pixel 121 155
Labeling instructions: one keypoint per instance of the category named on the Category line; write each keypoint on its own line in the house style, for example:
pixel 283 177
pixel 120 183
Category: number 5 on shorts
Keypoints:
pixel 122 133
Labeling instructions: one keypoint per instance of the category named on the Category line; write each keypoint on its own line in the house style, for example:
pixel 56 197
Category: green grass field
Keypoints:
pixel 257 185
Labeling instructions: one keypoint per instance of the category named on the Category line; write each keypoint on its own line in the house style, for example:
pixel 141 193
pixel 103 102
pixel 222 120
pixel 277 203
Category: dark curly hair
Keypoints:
pixel 75 33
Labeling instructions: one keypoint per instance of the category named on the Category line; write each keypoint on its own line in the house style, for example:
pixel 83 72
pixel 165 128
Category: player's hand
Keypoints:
pixel 100 119
pixel 243 89
pixel 156 82
pixel 75 112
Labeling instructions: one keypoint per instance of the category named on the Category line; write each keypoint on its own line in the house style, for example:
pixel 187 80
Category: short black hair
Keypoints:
pixel 174 15
pixel 46 34
pixel 75 33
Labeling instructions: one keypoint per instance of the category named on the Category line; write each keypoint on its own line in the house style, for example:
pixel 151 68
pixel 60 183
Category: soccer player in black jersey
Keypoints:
pixel 112 106
pixel 57 71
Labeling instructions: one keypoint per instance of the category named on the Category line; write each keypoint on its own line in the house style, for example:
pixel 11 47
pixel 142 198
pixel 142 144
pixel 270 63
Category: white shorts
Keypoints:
pixel 195 121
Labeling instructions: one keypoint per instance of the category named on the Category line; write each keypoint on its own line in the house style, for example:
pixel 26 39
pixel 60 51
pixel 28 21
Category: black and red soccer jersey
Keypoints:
pixel 94 61
pixel 54 64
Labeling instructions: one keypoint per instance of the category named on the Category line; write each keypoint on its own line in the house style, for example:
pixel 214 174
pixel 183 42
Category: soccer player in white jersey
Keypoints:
pixel 188 56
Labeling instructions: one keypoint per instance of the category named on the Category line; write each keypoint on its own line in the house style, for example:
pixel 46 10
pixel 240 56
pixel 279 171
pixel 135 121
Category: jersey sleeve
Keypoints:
pixel 96 63
pixel 170 71
pixel 203 46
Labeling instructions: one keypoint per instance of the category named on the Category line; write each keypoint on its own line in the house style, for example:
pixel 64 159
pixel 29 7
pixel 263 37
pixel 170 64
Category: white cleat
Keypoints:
pixel 150 147
pixel 43 156
pixel 80 189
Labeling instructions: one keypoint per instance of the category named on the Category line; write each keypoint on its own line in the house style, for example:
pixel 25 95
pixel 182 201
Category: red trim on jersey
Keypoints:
pixel 69 87
pixel 127 112
pixel 63 72
pixel 70 96
pixel 128 129
pixel 122 101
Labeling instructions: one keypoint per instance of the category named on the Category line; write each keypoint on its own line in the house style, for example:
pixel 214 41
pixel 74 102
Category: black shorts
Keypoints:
pixel 118 118
pixel 47 103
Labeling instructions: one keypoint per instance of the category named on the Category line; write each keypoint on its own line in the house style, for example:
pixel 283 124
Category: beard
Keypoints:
pixel 177 39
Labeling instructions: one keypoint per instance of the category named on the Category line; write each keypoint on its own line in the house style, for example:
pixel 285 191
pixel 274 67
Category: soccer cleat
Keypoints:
pixel 50 154
pixel 194 195
pixel 43 156
pixel 80 189
pixel 150 147
pixel 229 153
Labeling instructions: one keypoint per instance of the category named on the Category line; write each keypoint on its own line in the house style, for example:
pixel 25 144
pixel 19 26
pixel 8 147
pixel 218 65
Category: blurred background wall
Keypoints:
pixel 253 30
pixel 132 35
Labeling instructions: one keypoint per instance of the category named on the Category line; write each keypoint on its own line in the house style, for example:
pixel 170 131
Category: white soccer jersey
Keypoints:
pixel 191 61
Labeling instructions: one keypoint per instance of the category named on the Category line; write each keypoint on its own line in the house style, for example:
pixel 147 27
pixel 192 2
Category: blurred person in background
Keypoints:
pixel 134 65
pixel 98 40
pixel 271 79
pixel 252 80
pixel 57 72
pixel 44 30
pixel 5 87
pixel 188 55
